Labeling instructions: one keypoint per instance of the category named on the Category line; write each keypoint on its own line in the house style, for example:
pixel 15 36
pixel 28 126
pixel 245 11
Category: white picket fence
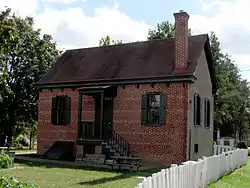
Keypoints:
pixel 196 174
pixel 218 149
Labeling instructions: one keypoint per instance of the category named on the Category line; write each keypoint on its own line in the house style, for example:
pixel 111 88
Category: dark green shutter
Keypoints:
pixel 195 109
pixel 144 109
pixel 66 109
pixel 53 111
pixel 208 113
pixel 163 111
pixel 198 110
pixel 205 112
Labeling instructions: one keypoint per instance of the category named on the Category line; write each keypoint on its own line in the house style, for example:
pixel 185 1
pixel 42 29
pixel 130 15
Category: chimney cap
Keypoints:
pixel 181 13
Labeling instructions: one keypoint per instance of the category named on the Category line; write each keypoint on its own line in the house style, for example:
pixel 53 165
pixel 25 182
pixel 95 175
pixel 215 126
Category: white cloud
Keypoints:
pixel 229 19
pixel 64 1
pixel 23 8
pixel 72 28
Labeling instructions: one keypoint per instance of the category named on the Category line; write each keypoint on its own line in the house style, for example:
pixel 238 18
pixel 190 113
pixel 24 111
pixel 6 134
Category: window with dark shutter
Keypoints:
pixel 144 104
pixel 153 110
pixel 207 113
pixel 67 110
pixel 53 111
pixel 163 111
pixel 197 109
pixel 61 110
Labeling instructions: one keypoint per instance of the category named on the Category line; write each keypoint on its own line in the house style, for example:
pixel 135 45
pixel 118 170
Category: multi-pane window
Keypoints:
pixel 61 109
pixel 197 110
pixel 207 113
pixel 153 110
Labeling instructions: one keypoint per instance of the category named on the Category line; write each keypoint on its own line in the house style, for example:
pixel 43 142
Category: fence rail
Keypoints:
pixel 196 174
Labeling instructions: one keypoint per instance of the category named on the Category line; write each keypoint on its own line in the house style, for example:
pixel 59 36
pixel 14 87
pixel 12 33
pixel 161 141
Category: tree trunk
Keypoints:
pixel 31 135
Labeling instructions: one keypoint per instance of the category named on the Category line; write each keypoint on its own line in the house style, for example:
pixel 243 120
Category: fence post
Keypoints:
pixel 214 149
pixel 163 177
pixel 154 180
pixel 140 179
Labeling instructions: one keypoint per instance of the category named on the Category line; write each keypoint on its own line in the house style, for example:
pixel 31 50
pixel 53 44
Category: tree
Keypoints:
pixel 231 104
pixel 107 41
pixel 163 30
pixel 25 57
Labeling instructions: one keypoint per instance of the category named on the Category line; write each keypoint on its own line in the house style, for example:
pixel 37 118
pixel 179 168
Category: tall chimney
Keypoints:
pixel 181 40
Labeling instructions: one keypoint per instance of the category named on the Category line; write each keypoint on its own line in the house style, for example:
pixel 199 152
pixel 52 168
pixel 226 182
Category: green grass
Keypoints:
pixel 52 176
pixel 24 151
pixel 240 178
pixel 44 175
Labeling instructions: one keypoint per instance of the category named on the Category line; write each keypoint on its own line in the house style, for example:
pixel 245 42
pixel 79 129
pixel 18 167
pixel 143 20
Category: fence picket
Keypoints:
pixel 197 174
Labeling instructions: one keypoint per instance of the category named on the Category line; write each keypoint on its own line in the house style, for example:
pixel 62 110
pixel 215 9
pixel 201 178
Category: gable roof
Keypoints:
pixel 139 60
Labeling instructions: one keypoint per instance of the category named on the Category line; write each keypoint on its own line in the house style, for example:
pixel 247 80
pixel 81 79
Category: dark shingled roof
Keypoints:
pixel 133 60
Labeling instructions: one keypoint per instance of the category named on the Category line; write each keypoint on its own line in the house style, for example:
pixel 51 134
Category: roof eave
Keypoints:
pixel 77 84
pixel 211 67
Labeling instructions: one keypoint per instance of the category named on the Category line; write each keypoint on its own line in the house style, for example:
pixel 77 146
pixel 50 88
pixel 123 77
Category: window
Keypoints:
pixel 196 148
pixel 61 109
pixel 197 109
pixel 226 143
pixel 207 113
pixel 153 110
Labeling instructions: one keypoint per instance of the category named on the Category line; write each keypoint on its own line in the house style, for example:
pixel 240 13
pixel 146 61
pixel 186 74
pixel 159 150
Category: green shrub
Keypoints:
pixel 13 183
pixel 5 160
pixel 23 140
pixel 242 145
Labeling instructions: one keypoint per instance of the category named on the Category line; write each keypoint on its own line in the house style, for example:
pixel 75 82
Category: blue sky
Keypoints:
pixel 81 23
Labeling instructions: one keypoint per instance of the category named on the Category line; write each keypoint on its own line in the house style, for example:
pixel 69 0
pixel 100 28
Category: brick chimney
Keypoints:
pixel 181 40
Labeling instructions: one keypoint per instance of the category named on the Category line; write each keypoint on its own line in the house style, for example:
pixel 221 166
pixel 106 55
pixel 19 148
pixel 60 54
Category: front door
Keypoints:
pixel 107 116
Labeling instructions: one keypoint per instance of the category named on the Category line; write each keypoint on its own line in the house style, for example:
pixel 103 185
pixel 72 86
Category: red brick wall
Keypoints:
pixel 167 143
pixel 48 133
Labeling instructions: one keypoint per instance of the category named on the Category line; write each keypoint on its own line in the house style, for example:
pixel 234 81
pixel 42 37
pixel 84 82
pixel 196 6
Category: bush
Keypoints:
pixel 242 145
pixel 13 183
pixel 23 140
pixel 5 160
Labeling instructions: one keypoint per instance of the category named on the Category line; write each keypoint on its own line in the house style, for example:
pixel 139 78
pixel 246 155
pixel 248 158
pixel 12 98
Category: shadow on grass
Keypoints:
pixel 51 164
pixel 124 175
pixel 121 174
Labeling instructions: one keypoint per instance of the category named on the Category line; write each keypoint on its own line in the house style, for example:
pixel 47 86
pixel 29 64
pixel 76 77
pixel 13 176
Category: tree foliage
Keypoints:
pixel 163 30
pixel 25 56
pixel 107 41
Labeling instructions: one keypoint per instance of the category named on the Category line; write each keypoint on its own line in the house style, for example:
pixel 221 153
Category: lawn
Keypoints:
pixel 238 179
pixel 51 176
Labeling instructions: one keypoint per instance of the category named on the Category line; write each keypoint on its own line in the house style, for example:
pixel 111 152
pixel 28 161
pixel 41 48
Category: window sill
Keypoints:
pixel 153 125
pixel 198 125
pixel 60 124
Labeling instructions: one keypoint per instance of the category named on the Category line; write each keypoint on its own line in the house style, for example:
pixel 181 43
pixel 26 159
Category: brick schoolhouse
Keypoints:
pixel 153 99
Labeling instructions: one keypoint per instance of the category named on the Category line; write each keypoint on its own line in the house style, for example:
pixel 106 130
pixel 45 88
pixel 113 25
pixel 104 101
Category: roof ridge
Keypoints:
pixel 131 43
